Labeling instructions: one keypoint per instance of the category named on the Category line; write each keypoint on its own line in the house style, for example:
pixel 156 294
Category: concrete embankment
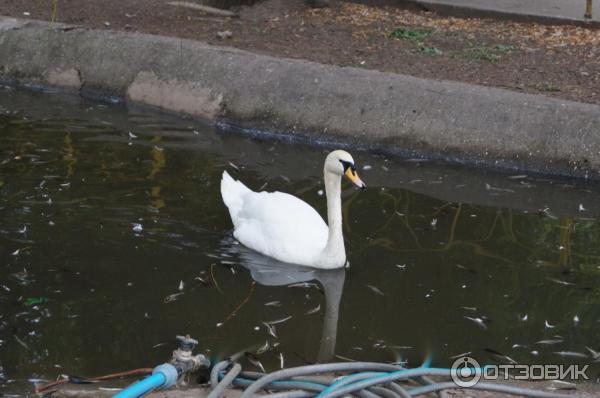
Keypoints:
pixel 378 111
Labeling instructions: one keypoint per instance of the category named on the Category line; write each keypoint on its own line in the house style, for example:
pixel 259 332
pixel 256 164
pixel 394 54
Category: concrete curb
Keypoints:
pixel 377 111
pixel 557 12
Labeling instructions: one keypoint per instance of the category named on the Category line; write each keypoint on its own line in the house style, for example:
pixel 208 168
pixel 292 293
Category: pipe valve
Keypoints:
pixel 183 357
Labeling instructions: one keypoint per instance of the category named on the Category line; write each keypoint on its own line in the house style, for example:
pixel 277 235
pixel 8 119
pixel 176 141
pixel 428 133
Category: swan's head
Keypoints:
pixel 341 163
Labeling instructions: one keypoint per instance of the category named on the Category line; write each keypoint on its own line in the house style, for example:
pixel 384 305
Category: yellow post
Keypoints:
pixel 588 9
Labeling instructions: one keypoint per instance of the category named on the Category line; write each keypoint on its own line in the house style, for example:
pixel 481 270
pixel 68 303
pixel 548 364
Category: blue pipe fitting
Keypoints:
pixel 163 376
pixel 170 372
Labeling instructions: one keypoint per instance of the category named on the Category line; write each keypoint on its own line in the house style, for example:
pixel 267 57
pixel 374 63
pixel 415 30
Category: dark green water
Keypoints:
pixel 105 213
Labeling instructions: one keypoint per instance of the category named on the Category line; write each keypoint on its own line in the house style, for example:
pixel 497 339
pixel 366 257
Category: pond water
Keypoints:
pixel 114 239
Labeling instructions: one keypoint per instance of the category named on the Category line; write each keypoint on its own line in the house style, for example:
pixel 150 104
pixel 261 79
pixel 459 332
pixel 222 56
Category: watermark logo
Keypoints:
pixel 466 372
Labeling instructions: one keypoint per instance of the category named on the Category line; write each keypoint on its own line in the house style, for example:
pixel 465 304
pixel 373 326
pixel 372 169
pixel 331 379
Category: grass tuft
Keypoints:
pixel 408 34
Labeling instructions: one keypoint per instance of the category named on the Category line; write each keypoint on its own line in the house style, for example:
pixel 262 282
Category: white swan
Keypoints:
pixel 288 229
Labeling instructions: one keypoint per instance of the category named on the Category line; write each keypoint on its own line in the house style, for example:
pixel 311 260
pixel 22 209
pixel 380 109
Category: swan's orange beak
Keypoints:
pixel 351 174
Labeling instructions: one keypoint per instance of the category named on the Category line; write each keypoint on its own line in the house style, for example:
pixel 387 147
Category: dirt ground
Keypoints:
pixel 558 61
pixel 83 391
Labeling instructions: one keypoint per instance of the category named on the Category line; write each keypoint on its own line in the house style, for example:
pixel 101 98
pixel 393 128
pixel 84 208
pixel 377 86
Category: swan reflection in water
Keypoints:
pixel 270 272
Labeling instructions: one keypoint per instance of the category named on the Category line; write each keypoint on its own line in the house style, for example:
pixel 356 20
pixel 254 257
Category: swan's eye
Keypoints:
pixel 350 173
pixel 348 165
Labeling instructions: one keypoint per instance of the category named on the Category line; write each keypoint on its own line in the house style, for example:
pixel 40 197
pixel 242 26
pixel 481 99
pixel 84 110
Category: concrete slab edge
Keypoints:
pixel 383 112
pixel 487 12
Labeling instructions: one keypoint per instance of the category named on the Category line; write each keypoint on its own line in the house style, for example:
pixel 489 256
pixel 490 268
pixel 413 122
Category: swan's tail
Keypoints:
pixel 233 192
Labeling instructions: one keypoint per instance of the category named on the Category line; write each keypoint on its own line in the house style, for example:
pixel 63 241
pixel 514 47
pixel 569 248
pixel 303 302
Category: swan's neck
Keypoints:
pixel 334 251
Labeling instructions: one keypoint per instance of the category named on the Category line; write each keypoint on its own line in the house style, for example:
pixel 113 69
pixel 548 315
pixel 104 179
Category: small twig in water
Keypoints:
pixel 240 305
pixel 212 275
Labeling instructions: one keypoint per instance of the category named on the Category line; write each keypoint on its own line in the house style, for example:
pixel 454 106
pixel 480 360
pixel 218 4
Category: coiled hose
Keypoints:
pixel 365 380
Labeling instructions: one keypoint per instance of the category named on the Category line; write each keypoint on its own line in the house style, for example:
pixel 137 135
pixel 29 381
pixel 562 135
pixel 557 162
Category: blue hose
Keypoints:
pixel 143 386
pixel 163 376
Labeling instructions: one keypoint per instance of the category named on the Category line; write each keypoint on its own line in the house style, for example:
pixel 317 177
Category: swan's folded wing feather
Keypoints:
pixel 281 226
pixel 233 193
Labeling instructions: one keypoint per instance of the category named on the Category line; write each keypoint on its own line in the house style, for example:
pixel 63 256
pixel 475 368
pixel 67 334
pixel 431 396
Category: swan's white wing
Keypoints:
pixel 275 224
pixel 281 226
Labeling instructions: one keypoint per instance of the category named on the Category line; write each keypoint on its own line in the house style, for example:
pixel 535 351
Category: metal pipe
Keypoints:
pixel 588 9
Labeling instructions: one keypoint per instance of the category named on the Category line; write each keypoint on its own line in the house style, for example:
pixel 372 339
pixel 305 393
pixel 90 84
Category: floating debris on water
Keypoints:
pixel 571 354
pixel 519 346
pixel 465 268
pixel 491 188
pixel 21 342
pixel 137 227
pixel 343 358
pixel 274 304
pixel 264 348
pixel 547 325
pixel 463 354
pixel 548 213
pixel 478 321
pixel 201 280
pixel 278 321
pixel 313 310
pixel 376 290
pixel 555 340
pixel 595 354
pixel 271 329
pixel 500 356
pixel 560 282
pixel 379 344
pixel 172 297
pixel 254 361
pixel 304 284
